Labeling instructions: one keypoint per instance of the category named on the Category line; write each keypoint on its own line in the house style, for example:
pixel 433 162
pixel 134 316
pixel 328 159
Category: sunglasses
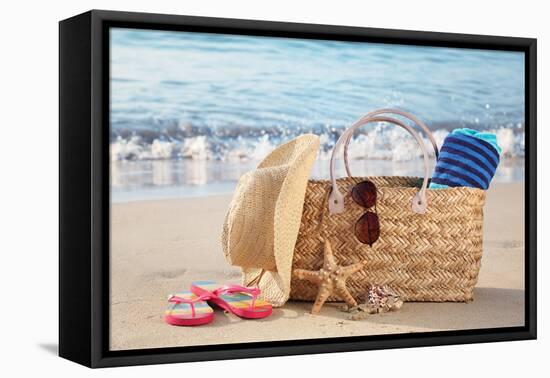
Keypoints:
pixel 367 228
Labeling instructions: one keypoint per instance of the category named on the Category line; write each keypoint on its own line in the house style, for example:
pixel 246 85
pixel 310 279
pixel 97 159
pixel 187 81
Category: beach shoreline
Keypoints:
pixel 175 179
pixel 159 247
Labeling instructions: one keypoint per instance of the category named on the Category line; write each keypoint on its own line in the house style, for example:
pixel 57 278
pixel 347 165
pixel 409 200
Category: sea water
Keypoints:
pixel 191 112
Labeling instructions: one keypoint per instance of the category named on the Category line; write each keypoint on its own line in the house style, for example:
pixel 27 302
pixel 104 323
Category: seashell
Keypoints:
pixel 378 299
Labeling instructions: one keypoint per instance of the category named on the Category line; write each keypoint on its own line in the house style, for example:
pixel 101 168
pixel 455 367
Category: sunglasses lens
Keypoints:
pixel 367 228
pixel 364 194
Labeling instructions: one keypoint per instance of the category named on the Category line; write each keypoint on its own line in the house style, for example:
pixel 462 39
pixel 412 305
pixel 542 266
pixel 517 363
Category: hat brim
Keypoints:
pixel 275 285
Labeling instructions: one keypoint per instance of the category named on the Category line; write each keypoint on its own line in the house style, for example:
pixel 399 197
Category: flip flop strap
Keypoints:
pixel 231 289
pixel 191 302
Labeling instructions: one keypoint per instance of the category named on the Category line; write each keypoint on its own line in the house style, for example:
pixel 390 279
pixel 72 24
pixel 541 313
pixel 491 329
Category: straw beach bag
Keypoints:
pixel 430 242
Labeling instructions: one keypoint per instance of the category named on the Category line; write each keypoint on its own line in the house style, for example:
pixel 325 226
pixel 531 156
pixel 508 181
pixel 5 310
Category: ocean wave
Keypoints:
pixel 380 142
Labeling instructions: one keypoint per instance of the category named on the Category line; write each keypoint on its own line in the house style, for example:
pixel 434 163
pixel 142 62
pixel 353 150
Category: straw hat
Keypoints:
pixel 263 220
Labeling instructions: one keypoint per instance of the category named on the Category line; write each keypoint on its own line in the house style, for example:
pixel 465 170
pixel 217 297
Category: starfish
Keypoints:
pixel 331 279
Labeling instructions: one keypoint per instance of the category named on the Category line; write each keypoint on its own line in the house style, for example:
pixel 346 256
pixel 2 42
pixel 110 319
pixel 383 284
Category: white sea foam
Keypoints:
pixel 162 150
pixel 127 149
pixel 380 142
pixel 512 142
pixel 195 148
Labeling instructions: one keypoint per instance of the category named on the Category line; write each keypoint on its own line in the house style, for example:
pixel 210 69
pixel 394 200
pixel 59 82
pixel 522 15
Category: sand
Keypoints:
pixel 159 247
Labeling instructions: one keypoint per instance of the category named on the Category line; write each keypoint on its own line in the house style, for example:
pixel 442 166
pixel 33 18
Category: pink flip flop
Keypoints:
pixel 240 300
pixel 188 309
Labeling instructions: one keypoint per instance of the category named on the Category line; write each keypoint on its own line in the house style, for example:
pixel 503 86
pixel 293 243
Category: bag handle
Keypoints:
pixel 391 111
pixel 419 202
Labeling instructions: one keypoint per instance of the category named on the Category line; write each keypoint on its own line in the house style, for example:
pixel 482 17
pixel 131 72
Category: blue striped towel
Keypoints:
pixel 467 158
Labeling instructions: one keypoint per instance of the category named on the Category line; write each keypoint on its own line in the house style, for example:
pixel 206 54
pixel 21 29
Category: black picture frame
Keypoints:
pixel 84 188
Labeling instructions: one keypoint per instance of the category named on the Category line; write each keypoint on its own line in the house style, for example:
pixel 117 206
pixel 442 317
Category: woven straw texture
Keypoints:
pixel 434 256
